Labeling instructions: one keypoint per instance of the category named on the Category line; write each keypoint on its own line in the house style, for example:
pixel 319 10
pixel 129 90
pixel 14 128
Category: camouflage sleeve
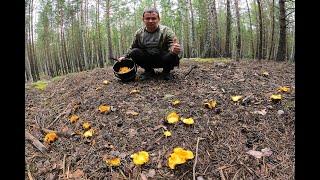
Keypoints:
pixel 170 35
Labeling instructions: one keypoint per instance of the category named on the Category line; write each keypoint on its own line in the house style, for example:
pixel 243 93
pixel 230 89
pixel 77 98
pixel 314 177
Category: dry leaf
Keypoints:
pixel 151 173
pixel 73 118
pixel 98 88
pixel 262 112
pixel 168 96
pixel 172 117
pixel 135 91
pixel 158 127
pixel 259 154
pixel 266 151
pixel 210 104
pixel 236 98
pixel 256 154
pixel 265 74
pixel 143 176
pixel 77 174
pixel 65 129
pixel 133 113
pixel 106 82
pixel 104 108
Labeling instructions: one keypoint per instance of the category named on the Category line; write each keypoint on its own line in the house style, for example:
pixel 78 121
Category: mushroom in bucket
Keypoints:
pixel 125 70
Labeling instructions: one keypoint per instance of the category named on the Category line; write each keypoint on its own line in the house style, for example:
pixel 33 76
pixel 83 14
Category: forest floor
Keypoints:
pixel 253 138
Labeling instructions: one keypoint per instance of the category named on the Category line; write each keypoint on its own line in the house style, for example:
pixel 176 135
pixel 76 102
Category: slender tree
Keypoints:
pixel 238 54
pixel 260 31
pixel 193 34
pixel 272 33
pixel 228 31
pixel 251 32
pixel 281 54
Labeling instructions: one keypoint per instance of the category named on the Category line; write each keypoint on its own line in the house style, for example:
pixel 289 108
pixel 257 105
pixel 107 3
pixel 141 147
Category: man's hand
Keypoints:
pixel 121 58
pixel 175 48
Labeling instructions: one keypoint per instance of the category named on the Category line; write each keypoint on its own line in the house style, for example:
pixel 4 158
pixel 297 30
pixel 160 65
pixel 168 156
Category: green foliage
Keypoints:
pixel 41 85
pixel 56 78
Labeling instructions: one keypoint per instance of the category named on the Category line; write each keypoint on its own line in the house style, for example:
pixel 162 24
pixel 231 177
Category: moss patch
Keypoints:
pixel 41 85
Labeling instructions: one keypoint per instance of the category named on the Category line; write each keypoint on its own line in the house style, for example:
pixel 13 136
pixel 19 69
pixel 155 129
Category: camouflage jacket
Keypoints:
pixel 154 43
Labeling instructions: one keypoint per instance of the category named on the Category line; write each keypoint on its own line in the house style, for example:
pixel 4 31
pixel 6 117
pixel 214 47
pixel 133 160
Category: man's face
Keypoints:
pixel 151 20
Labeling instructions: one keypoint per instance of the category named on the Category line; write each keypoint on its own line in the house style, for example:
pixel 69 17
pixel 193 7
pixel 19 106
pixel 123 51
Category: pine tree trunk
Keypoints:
pixel 228 31
pixel 83 37
pixel 33 57
pixel 260 31
pixel 238 54
pixel 110 51
pixel 271 56
pixel 281 54
pixel 251 32
pixel 99 51
pixel 209 40
pixel 217 46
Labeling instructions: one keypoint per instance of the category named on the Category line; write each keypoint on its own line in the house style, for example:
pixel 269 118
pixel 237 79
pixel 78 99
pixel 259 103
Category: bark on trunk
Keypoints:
pixel 281 54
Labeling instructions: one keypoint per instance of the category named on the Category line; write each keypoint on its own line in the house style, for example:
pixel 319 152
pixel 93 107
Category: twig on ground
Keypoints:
pixel 248 169
pixel 45 130
pixel 222 175
pixel 159 160
pixel 195 161
pixel 183 174
pixel 29 174
pixel 63 163
pixel 190 69
pixel 66 111
pixel 68 171
pixel 36 142
pixel 121 172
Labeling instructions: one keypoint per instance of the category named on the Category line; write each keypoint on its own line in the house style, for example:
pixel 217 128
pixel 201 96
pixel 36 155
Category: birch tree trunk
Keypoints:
pixel 193 39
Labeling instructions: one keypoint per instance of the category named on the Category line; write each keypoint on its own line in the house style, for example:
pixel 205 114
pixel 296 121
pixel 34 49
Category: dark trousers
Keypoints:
pixel 164 60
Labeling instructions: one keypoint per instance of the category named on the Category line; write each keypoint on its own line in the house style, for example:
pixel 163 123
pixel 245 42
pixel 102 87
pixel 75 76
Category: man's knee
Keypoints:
pixel 136 52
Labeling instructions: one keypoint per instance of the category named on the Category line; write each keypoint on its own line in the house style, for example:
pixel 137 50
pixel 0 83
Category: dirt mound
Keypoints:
pixel 225 134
